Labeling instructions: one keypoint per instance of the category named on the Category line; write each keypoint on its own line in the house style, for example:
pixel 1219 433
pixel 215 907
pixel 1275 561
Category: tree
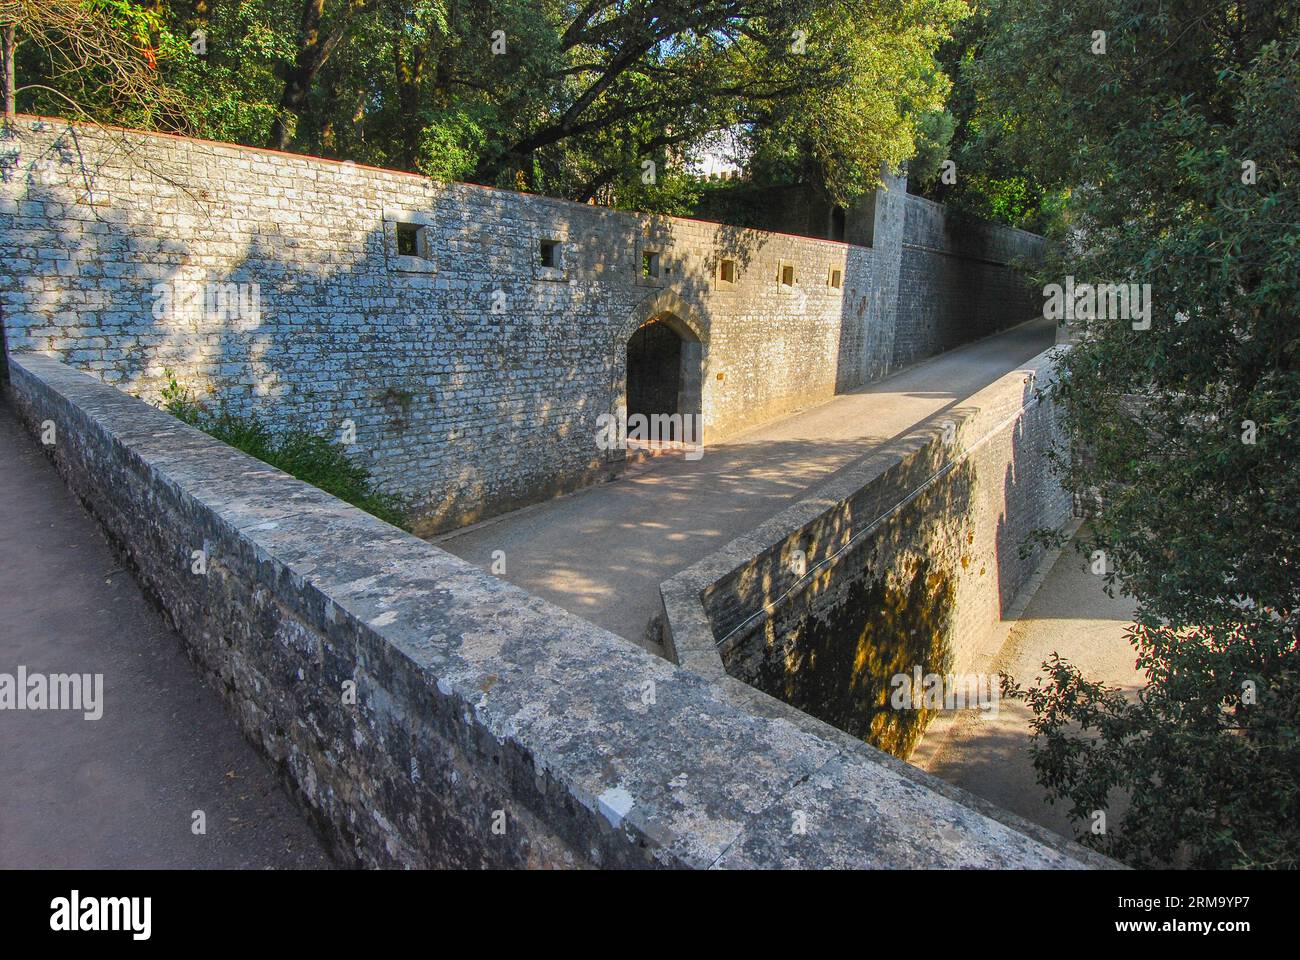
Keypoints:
pixel 95 59
pixel 883 88
pixel 1180 142
pixel 987 177
pixel 8 49
pixel 320 30
pixel 573 99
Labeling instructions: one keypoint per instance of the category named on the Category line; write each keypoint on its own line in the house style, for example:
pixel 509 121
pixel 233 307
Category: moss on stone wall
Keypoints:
pixel 838 662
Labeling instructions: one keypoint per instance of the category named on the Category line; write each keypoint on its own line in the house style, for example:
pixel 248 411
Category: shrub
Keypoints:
pixel 310 457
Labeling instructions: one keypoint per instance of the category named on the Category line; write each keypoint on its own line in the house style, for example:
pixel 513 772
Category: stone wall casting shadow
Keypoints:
pixel 911 560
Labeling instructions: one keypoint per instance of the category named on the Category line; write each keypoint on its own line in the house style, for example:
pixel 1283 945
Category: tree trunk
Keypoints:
pixel 313 48
pixel 407 66
pixel 10 42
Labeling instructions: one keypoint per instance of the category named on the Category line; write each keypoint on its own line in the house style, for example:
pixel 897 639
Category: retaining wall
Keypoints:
pixel 955 284
pixel 909 560
pixel 428 714
pixel 473 374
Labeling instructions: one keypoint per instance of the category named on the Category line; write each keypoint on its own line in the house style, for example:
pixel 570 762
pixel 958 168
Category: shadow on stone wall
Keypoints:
pixel 924 589
pixel 475 389
pixel 838 657
pixel 467 410
pixel 882 608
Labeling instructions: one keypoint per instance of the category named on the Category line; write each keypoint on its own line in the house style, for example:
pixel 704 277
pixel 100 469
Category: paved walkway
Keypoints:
pixel 989 755
pixel 602 552
pixel 119 791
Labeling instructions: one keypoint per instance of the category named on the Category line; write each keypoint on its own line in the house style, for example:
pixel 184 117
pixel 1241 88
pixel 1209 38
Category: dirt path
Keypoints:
pixel 119 791
pixel 989 755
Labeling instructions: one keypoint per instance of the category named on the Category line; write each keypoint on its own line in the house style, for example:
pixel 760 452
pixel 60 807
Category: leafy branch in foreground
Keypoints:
pixel 1181 145
pixel 95 60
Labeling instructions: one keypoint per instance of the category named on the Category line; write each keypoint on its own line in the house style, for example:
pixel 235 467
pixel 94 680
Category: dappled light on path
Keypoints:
pixel 602 552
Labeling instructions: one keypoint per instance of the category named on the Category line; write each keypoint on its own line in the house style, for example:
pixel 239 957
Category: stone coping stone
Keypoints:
pixel 688 631
pixel 706 776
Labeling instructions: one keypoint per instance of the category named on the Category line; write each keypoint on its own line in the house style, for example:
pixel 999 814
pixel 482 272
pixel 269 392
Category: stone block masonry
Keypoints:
pixel 472 336
pixel 907 561
pixel 954 284
pixel 428 714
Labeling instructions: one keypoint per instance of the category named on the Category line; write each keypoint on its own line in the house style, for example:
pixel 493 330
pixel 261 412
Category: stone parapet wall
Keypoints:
pixel 960 279
pixel 428 714
pixel 909 559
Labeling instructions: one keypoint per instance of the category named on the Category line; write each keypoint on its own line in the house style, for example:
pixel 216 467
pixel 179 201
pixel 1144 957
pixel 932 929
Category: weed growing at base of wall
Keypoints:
pixel 308 456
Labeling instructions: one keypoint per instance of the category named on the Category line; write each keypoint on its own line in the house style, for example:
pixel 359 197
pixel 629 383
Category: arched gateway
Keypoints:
pixel 662 369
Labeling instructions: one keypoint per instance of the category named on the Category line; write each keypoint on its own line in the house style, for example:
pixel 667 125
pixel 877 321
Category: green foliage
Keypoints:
pixel 933 139
pixel 675 194
pixel 310 457
pixel 178 401
pixel 734 202
pixel 825 91
pixel 993 180
pixel 880 82
pixel 1187 434
pixel 452 142
pixel 230 86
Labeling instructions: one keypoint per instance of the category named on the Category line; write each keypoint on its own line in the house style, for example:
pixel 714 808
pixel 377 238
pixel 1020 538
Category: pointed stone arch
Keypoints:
pixel 664 310
pixel 669 306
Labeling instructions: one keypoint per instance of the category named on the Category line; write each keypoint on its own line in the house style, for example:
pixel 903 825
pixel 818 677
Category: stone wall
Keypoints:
pixel 908 560
pixel 960 280
pixel 428 714
pixel 422 313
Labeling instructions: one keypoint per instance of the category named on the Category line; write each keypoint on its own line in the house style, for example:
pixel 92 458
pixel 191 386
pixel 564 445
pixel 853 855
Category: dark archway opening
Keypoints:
pixel 663 376
pixel 838 224
pixel 654 364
